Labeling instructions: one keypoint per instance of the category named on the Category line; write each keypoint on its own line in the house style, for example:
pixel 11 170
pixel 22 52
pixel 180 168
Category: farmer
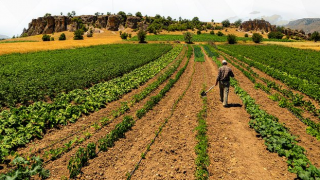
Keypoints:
pixel 223 78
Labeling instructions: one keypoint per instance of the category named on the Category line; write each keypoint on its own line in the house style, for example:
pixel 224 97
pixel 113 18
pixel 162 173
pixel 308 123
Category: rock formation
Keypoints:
pixel 114 22
pixel 102 21
pixel 132 22
pixel 257 25
pixel 51 24
pixel 61 23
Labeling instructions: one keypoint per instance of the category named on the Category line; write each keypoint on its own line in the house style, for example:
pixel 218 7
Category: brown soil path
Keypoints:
pixel 296 127
pixel 115 163
pixel 235 151
pixel 172 156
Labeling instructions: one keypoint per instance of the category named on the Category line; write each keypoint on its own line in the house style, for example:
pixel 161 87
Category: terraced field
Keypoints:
pixel 150 121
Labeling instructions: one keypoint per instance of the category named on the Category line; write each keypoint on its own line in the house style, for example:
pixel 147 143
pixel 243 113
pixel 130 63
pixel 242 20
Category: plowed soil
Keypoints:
pixel 235 150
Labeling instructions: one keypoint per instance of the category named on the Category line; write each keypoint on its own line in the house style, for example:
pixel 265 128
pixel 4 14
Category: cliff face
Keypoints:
pixel 257 25
pixel 114 22
pixel 51 24
pixel 132 22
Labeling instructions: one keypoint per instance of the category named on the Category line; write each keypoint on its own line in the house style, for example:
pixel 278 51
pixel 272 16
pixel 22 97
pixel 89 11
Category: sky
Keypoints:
pixel 16 14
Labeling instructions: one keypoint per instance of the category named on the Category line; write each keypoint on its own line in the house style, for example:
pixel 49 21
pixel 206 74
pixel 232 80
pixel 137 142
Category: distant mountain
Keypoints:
pixel 4 37
pixel 309 25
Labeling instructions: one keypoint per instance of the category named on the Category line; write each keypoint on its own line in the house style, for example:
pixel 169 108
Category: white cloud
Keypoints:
pixel 255 12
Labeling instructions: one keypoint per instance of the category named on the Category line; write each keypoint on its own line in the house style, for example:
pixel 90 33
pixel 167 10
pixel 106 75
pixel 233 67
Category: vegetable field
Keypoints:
pixel 135 111
pixel 37 76
pixel 205 37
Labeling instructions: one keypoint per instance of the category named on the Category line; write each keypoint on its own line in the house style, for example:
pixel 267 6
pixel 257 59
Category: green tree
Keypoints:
pixel 138 14
pixel 142 36
pixel 315 36
pixel 188 37
pixel 195 21
pixel 275 35
pixel 62 37
pixel 123 16
pixel 47 15
pixel 78 34
pixel 73 13
pixel 108 13
pixel 46 37
pixel 232 39
pixel 246 35
pixel 212 32
pixel 124 35
pixel 257 38
pixel 238 23
pixel 198 32
pixel 220 33
pixel 226 23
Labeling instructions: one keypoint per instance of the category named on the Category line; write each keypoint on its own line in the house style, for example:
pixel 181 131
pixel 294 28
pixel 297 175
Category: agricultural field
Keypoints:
pixel 135 111
pixel 205 37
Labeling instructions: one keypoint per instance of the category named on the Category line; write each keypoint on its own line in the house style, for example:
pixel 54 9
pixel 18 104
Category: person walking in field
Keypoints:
pixel 223 78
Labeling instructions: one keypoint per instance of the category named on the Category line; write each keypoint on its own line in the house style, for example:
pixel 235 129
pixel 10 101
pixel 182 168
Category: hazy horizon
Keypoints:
pixel 16 14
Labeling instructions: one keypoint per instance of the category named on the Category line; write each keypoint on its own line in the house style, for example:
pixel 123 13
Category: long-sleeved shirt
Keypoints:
pixel 224 73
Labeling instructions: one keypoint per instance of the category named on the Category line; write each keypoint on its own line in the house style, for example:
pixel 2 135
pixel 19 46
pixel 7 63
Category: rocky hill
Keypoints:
pixel 308 25
pixel 51 24
pixel 257 25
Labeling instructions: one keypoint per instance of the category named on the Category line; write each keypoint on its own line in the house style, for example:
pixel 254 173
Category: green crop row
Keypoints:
pixel 27 78
pixel 76 163
pixel 24 170
pixel 202 160
pixel 277 137
pixel 313 128
pixel 301 63
pixel 19 125
pixel 297 99
pixel 302 85
pixel 198 55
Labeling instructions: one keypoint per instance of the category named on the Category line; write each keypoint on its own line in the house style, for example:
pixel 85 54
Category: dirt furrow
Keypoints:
pixel 117 161
pixel 58 168
pixel 173 156
pixel 296 127
pixel 54 135
pixel 235 151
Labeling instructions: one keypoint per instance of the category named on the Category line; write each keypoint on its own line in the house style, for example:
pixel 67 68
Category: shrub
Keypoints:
pixel 124 35
pixel 257 38
pixel 212 32
pixel 52 39
pixel 24 35
pixel 142 36
pixel 226 23
pixel 275 35
pixel 246 35
pixel 220 33
pixel 218 28
pixel 78 34
pixel 130 35
pixel 46 37
pixel 188 37
pixel 232 39
pixel 198 32
pixel 62 37
pixel 315 36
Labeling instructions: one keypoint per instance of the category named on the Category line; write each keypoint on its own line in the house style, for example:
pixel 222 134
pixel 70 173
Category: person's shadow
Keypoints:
pixel 233 105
